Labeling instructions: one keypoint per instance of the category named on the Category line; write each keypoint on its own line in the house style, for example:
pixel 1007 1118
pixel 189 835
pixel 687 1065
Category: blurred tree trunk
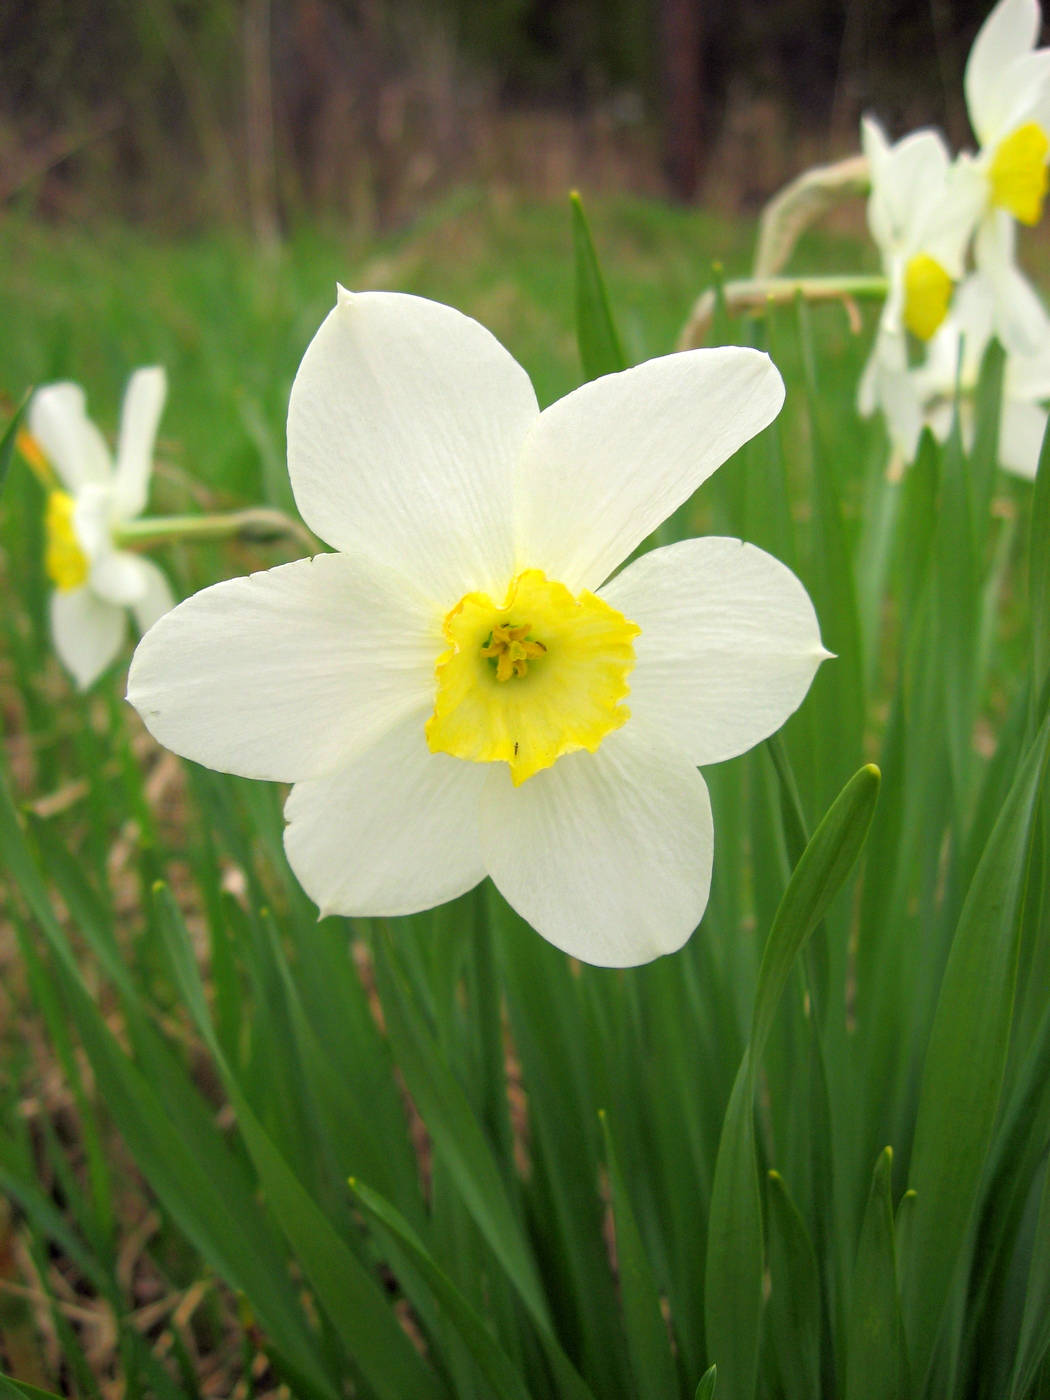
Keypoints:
pixel 679 22
pixel 943 22
pixel 258 110
pixel 222 173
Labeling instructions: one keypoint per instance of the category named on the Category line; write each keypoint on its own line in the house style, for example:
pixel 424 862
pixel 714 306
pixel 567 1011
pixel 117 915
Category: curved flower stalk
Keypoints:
pixel 921 214
pixel 96 582
pixel 461 689
pixel 1008 98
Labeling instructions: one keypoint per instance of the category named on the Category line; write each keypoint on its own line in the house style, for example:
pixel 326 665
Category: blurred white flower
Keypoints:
pixel 921 214
pixel 96 583
pixel 446 692
pixel 1026 382
pixel 1008 98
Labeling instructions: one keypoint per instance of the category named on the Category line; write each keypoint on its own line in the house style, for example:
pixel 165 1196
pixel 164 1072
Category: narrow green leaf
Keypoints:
pixel 7 442
pixel 601 351
pixel 647 1340
pixel 902 1227
pixel 984 454
pixel 837 696
pixel 819 875
pixel 10 1389
pixel 1034 1344
pixel 493 1361
pixel 917 523
pixel 793 1310
pixel 733 1279
pixel 965 1061
pixel 1039 573
pixel 226 1227
pixel 873 1369
pixel 706 1389
pixel 459 1139
pixel 957 594
pixel 349 1294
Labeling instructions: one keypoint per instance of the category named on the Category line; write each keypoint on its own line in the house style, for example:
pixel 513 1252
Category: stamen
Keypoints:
pixel 512 649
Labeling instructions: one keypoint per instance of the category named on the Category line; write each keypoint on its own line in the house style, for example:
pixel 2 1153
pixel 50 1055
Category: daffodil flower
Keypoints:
pixel 954 361
pixel 921 214
pixel 96 582
pixel 467 687
pixel 1008 98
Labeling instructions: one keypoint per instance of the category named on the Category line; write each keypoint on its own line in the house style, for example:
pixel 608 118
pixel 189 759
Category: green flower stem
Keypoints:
pixel 756 294
pixel 257 525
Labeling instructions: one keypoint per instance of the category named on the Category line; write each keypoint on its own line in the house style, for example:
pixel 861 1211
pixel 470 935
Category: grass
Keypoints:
pixel 193 1067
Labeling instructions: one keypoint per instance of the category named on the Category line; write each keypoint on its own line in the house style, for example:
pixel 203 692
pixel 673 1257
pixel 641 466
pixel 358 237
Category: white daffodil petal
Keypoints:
pixel 88 633
pixel 868 388
pixel 119 577
pixel 902 410
pixel 139 417
pixel 71 442
pixel 946 222
pixel 1021 94
pixel 604 466
pixel 1021 430
pixel 1008 33
pixel 1021 319
pixel 405 421
pixel 904 179
pixel 287 674
pixel 1021 323
pixel 392 832
pixel 729 644
pixel 1027 377
pixel 607 855
pixel 157 597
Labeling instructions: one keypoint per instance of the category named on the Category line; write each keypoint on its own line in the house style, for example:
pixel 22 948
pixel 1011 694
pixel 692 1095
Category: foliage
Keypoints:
pixel 568 1181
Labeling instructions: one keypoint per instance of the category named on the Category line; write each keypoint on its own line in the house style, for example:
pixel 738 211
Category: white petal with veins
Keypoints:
pixel 729 645
pixel 392 832
pixel 405 422
pixel 608 855
pixel 287 674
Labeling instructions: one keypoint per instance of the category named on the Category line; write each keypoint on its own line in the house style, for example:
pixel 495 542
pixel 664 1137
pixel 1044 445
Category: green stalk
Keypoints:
pixel 257 525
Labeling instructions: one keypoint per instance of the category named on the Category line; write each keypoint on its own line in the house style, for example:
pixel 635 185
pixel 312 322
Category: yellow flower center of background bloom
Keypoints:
pixel 66 563
pixel 1018 174
pixel 927 292
pixel 529 679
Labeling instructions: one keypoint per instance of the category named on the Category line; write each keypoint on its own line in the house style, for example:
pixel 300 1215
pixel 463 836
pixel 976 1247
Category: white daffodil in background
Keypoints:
pixel 1026 381
pixel 1008 98
pixel 461 689
pixel 921 214
pixel 96 582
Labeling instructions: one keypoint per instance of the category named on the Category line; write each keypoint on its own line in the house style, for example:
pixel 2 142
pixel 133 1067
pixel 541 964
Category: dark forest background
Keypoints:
pixel 268 111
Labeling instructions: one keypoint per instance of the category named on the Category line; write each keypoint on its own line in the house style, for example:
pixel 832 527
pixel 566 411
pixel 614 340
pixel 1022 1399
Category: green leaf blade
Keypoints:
pixel 601 350
pixel 733 1279
pixel 965 1062
pixel 819 875
pixel 479 1341
pixel 793 1311
pixel 647 1340
pixel 873 1370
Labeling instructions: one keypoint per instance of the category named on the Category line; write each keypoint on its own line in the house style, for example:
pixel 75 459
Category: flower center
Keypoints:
pixel 1018 172
pixel 66 563
pixel 927 292
pixel 525 693
pixel 512 649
